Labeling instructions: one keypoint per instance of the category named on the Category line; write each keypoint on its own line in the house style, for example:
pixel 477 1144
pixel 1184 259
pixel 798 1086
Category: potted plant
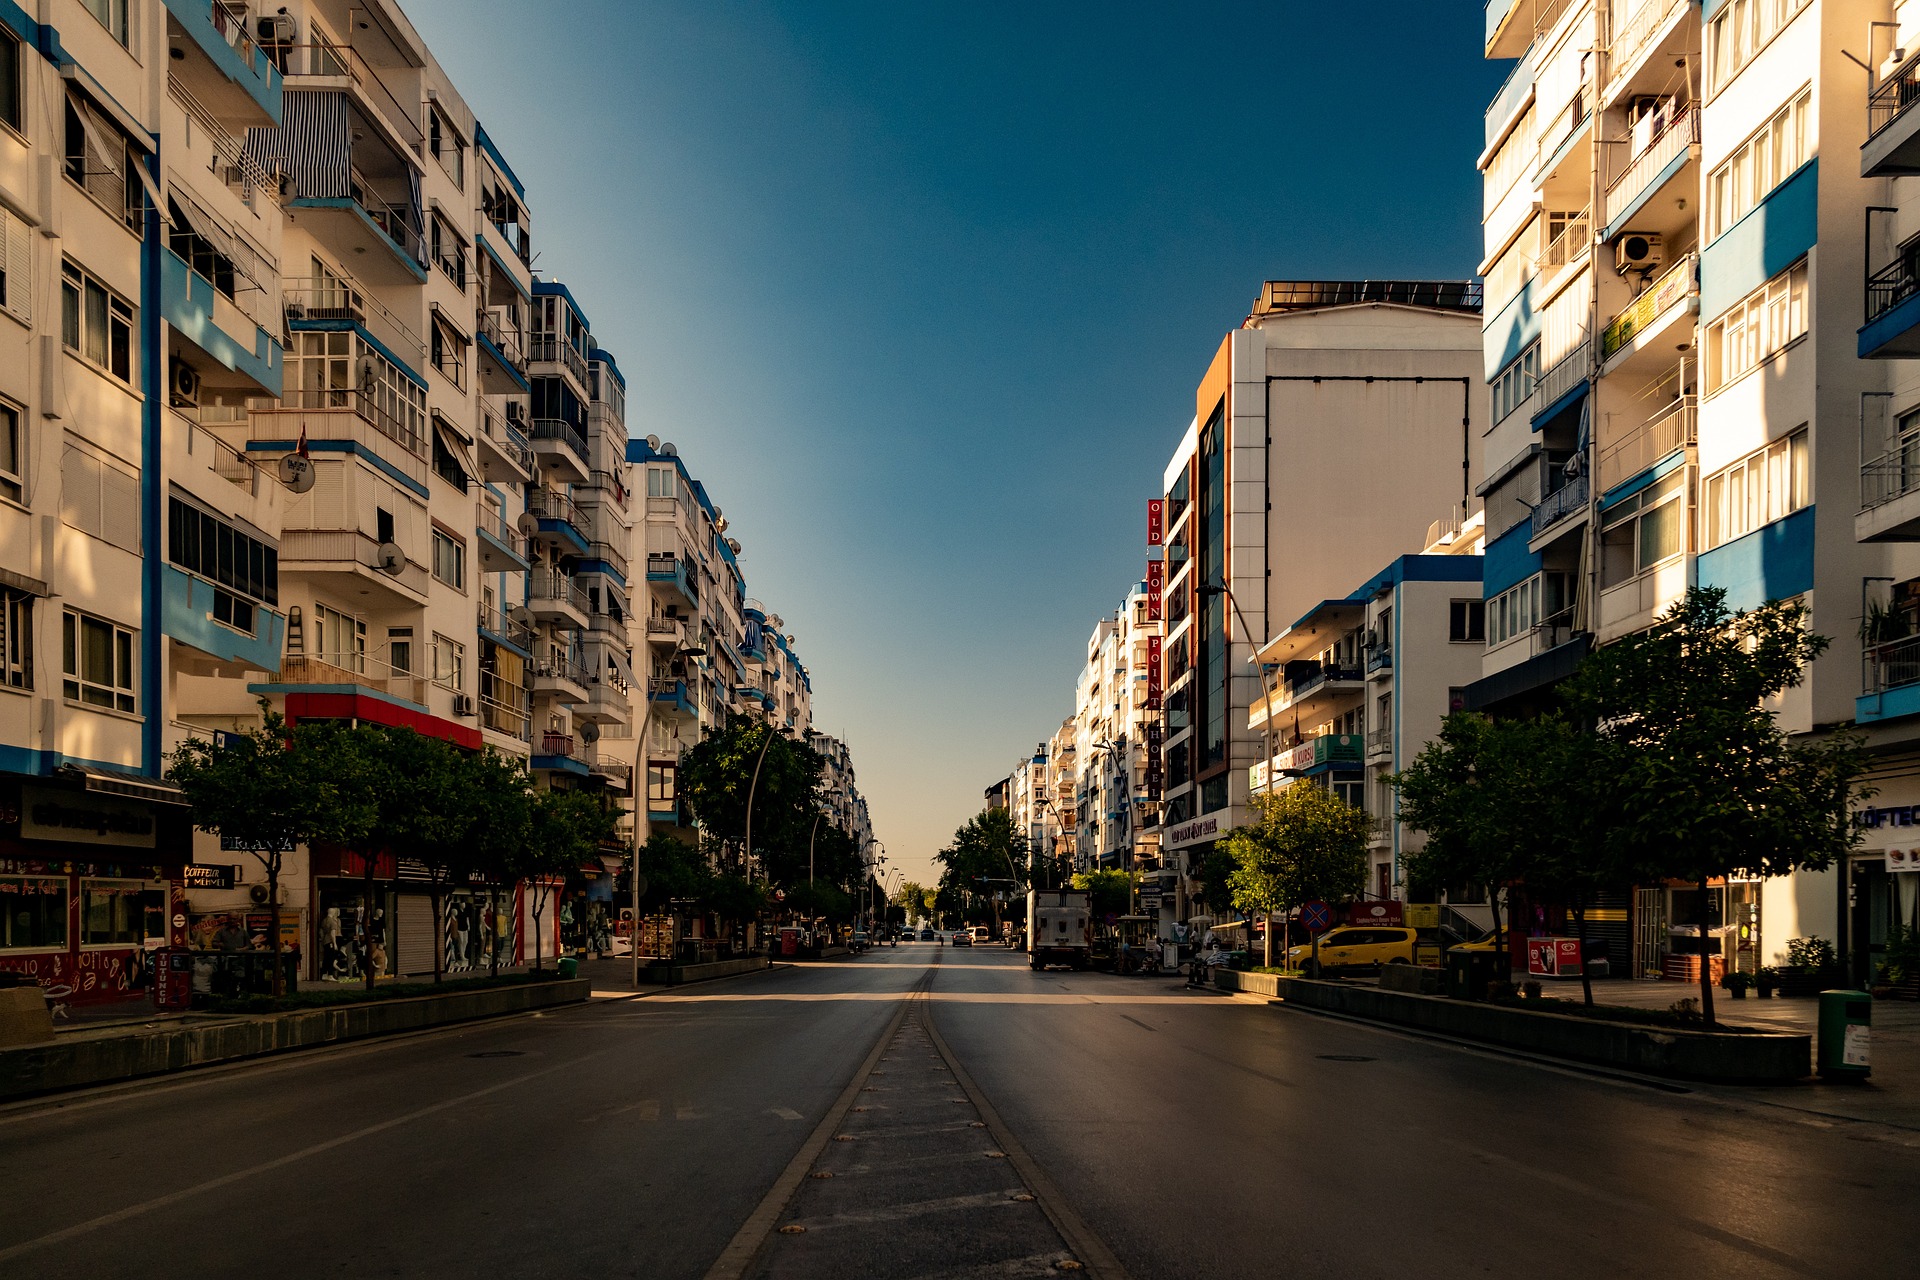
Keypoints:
pixel 1765 981
pixel 1811 964
pixel 1737 983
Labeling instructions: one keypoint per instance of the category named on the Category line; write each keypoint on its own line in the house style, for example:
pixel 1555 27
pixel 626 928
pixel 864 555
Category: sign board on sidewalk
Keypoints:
pixel 1553 957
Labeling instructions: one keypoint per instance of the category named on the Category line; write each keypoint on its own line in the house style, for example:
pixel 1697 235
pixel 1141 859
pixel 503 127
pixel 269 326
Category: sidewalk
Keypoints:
pixel 1890 1096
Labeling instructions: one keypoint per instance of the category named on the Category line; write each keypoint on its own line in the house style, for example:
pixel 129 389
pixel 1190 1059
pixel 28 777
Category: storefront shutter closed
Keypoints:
pixel 416 934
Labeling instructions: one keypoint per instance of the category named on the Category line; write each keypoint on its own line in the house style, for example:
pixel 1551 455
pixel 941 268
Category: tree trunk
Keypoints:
pixel 273 901
pixel 1499 934
pixel 1706 962
pixel 1580 932
pixel 1267 960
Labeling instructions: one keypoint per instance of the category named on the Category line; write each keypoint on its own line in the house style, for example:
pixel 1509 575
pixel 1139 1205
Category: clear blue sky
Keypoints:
pixel 922 291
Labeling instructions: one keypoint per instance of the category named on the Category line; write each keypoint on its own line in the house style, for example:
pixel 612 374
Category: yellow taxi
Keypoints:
pixel 1358 947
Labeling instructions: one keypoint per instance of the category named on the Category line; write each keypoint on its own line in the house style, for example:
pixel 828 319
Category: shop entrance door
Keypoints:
pixel 1649 932
pixel 1873 911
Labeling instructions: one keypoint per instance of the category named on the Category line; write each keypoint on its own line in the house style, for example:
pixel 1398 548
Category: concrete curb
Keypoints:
pixel 674 975
pixel 1762 1057
pixel 76 1062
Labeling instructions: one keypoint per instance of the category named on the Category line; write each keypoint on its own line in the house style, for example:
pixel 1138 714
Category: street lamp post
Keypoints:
pixel 752 786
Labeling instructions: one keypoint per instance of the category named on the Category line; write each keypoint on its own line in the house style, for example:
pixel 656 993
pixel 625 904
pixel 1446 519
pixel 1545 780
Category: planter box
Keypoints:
pixel 1726 1057
pixel 76 1059
pixel 1798 982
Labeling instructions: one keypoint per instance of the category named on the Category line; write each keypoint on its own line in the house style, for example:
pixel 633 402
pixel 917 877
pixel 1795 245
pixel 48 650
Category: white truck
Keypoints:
pixel 1059 927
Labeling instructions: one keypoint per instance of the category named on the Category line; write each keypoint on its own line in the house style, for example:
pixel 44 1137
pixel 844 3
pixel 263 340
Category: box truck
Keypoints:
pixel 1059 927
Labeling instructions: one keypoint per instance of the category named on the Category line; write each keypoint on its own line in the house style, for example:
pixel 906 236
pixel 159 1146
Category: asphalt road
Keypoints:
pixel 1193 1136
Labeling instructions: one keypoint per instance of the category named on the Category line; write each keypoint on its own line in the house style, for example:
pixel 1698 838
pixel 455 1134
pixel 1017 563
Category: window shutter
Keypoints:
pixel 16 254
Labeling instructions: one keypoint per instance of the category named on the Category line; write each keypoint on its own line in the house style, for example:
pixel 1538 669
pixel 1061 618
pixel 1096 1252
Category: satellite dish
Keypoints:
pixel 653 442
pixel 720 523
pixel 589 732
pixel 733 545
pixel 297 473
pixel 521 615
pixel 389 558
pixel 528 524
pixel 668 451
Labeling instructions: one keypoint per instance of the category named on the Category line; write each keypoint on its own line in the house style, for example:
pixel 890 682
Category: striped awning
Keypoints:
pixel 312 146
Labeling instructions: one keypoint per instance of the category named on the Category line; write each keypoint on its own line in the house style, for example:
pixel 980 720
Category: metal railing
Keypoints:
pixel 1893 96
pixel 492 326
pixel 352 669
pixel 493 619
pixel 1561 503
pixel 504 717
pixel 495 526
pixel 1894 283
pixel 1671 428
pixel 1674 139
pixel 1379 658
pixel 321 299
pixel 232 27
pixel 505 437
pixel 1567 373
pixel 239 169
pixel 611 484
pixel 1572 118
pixel 559 668
pixel 557 587
pixel 548 348
pixel 562 431
pixel 550 504
pixel 1641 25
pixel 612 555
pixel 1573 240
pixel 1893 664
pixel 1894 474
pixel 367 408
pixel 1670 290
pixel 613 767
pixel 667 628
pixel 1379 741
pixel 322 61
pixel 556 744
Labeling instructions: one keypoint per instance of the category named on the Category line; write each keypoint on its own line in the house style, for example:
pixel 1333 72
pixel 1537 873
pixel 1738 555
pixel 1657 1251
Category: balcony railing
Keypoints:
pixel 611 484
pixel 549 348
pixel 613 767
pixel 508 342
pixel 1573 240
pixel 1631 36
pixel 1894 96
pixel 1561 503
pixel 505 437
pixel 494 620
pixel 321 299
pixel 238 168
pixel 1567 373
pixel 1893 664
pixel 400 222
pixel 495 526
pixel 1894 474
pixel 557 587
pixel 352 669
pixel 1565 125
pixel 611 554
pixel 556 667
pixel 556 744
pixel 1379 741
pixel 1670 290
pixel 562 430
pixel 1675 137
pixel 501 716
pixel 1379 658
pixel 268 416
pixel 1670 429
pixel 1894 283
pixel 324 61
pixel 550 504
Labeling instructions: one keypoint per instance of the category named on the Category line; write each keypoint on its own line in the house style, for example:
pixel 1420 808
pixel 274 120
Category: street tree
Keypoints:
pixel 1717 789
pixel 566 828
pixel 1451 792
pixel 980 861
pixel 1305 844
pixel 261 792
pixel 751 759
pixel 491 821
pixel 1109 892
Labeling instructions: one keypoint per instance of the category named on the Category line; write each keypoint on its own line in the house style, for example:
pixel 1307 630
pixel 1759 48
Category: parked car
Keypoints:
pixel 928 935
pixel 981 933
pixel 1354 948
pixel 961 938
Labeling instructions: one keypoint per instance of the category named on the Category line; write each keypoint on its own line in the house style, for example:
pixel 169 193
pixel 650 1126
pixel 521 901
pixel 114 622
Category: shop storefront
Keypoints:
pixel 1666 929
pixel 1883 883
pixel 90 882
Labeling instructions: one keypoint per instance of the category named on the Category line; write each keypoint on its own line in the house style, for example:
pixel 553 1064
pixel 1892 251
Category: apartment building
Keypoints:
pixel 1118 818
pixel 1675 341
pixel 1332 398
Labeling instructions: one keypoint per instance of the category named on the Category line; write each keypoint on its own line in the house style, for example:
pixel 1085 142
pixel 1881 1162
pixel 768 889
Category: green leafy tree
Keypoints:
pixel 717 776
pixel 261 792
pixel 1452 792
pixel 1110 893
pixel 1213 878
pixel 565 829
pixel 492 821
pixel 980 862
pixel 1306 844
pixel 1717 788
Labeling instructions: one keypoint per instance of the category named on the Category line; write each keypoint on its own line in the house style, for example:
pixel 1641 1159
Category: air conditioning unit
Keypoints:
pixel 183 384
pixel 279 28
pixel 463 704
pixel 258 893
pixel 1638 251
pixel 1372 640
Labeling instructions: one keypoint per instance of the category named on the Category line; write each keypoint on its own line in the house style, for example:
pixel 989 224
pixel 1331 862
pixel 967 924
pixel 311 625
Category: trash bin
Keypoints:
pixel 569 966
pixel 1846 1019
pixel 1470 972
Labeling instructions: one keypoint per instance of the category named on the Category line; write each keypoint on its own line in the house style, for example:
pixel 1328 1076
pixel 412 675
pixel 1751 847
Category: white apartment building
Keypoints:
pixel 1118 819
pixel 1674 341
pixel 1332 399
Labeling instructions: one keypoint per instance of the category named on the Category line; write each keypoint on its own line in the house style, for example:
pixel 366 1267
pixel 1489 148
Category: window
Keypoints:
pixel 102 163
pixel 16 263
pixel 450 560
pixel 1772 155
pixel 1213 794
pixel 33 913
pixel 1513 384
pixel 1467 620
pixel 447 147
pixel 209 259
pixel 1757 328
pixel 400 649
pixel 447 465
pixel 97 658
pixel 1644 530
pixel 328 370
pixel 112 15
pixel 120 912
pixel 339 639
pixel 101 497
pixel 16 639
pixel 449 354
pixel 449 663
pixel 243 569
pixel 96 323
pixel 9 78
pixel 1518 610
pixel 449 251
pixel 12 466
pixel 1757 490
pixel 1739 31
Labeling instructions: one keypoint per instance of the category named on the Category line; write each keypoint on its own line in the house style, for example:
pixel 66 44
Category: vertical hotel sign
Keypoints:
pixel 1156 521
pixel 1155 686
pixel 1156 561
pixel 1156 589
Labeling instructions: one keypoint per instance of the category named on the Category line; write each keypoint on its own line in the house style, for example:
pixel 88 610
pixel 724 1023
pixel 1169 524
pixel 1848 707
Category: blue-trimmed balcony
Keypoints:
pixel 671 572
pixel 501 548
pixel 558 753
pixel 191 610
pixel 503 356
pixel 559 522
pixel 218 63
pixel 213 323
pixel 1631 198
pixel 673 697
pixel 562 447
pixel 1893 682
pixel 327 304
pixel 1892 330
pixel 494 624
